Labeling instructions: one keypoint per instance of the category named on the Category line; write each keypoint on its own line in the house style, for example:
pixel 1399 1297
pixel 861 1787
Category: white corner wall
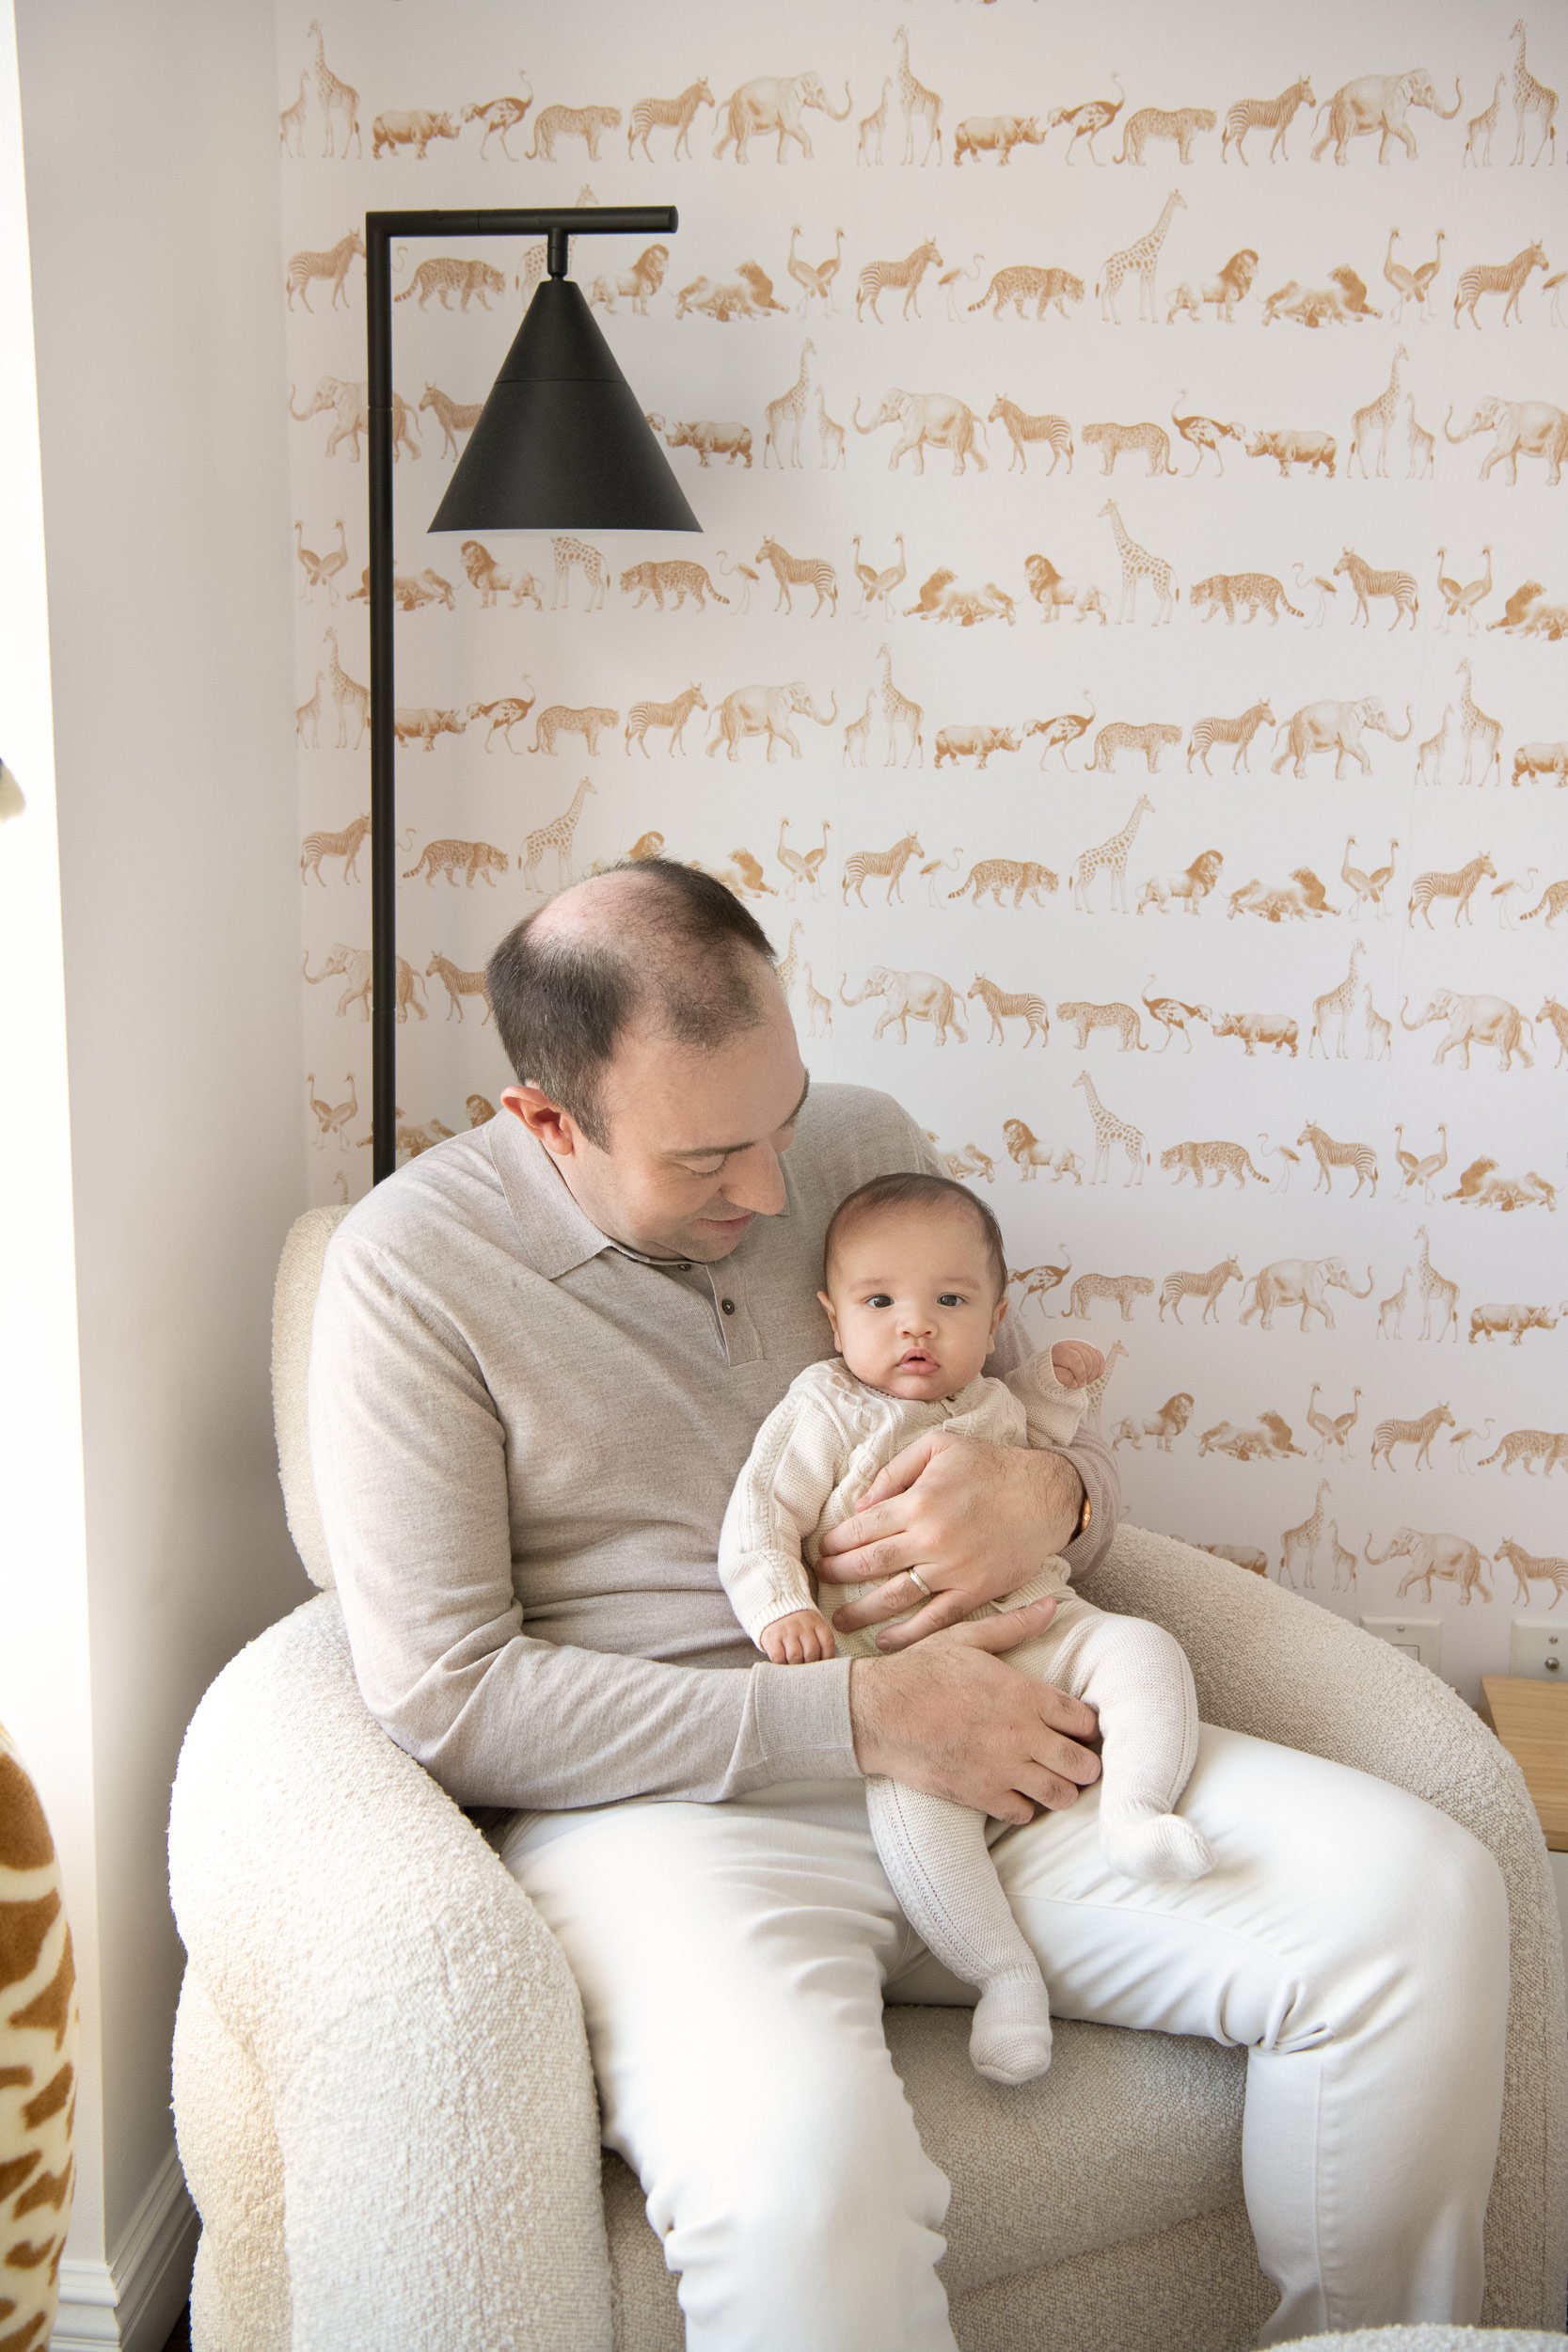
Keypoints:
pixel 44 1686
pixel 150 142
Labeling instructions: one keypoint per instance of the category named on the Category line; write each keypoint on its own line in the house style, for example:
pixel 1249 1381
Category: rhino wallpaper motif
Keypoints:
pixel 1122 667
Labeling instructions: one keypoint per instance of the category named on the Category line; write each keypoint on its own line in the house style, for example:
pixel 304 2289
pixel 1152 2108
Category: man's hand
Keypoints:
pixel 953 1718
pixel 974 1518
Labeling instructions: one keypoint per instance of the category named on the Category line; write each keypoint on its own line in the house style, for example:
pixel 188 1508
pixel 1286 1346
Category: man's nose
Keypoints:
pixel 754 1179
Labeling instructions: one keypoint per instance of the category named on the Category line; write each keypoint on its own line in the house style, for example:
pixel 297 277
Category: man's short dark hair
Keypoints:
pixel 912 1189
pixel 677 951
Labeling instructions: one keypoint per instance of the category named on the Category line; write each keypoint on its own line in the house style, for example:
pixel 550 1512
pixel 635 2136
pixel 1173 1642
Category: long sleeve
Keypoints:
pixel 1090 1456
pixel 411 1471
pixel 798 1459
pixel 1054 1412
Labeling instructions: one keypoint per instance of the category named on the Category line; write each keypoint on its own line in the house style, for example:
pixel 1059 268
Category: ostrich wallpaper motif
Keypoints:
pixel 1124 668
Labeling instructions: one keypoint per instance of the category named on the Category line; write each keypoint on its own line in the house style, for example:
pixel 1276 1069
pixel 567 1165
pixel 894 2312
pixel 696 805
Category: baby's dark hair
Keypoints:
pixel 913 1190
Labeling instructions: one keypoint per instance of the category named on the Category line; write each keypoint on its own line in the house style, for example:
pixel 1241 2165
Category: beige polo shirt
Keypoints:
pixel 524 1436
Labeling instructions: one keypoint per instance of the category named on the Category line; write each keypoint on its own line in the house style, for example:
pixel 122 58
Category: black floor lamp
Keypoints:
pixel 562 444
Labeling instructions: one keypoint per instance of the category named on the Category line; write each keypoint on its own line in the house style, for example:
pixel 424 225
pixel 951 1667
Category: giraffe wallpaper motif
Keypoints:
pixel 1122 667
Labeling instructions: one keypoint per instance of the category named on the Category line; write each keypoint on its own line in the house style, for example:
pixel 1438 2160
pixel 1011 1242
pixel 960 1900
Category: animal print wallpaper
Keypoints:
pixel 1122 668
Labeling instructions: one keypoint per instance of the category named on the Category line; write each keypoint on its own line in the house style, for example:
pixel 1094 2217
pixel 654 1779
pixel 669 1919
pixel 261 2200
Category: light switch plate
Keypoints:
pixel 1420 1637
pixel 1538 1650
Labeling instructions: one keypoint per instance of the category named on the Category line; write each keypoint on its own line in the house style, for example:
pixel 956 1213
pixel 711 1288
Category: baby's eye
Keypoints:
pixel 951 1298
pixel 879 1298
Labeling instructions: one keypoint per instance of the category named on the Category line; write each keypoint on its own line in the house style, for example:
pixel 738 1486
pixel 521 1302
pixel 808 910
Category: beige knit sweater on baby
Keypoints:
pixel 822 1445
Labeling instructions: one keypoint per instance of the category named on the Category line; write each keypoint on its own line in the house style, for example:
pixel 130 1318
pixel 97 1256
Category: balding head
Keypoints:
pixel 656 948
pixel 589 907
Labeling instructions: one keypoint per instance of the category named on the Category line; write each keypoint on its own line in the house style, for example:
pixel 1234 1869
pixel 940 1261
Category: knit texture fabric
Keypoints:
pixel 814 1458
pixel 820 1448
pixel 522 1436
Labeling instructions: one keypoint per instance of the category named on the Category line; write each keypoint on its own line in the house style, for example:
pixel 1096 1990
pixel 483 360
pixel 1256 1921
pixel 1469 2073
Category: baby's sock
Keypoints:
pixel 1149 1844
pixel 1010 2039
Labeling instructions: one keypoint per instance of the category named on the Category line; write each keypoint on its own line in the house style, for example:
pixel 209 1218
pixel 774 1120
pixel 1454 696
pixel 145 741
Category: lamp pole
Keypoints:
pixel 554 223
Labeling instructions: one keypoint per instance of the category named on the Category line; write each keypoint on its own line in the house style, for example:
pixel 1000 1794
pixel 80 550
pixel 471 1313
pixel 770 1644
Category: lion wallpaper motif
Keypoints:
pixel 1122 668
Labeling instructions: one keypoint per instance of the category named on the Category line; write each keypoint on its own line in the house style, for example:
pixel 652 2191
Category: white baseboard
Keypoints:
pixel 84 2320
pixel 129 2303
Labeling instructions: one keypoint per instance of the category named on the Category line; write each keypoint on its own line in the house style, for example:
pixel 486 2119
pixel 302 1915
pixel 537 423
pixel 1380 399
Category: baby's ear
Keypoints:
pixel 996 1319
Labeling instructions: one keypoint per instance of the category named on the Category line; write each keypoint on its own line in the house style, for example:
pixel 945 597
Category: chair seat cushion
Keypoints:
pixel 1127 2134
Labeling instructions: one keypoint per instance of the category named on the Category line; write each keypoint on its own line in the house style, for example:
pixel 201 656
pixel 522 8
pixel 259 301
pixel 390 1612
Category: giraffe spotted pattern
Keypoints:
pixel 38 2030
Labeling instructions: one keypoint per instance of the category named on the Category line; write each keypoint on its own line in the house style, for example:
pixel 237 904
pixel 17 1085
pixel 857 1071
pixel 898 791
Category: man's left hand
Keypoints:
pixel 976 1519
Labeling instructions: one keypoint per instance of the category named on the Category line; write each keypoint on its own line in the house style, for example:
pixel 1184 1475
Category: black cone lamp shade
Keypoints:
pixel 561 443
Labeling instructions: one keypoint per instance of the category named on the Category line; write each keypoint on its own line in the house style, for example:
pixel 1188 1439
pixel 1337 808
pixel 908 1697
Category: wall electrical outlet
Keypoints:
pixel 1420 1637
pixel 1539 1651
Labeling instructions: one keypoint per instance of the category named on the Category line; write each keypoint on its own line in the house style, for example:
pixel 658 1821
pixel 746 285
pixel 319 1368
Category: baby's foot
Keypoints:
pixel 1152 1845
pixel 1010 2039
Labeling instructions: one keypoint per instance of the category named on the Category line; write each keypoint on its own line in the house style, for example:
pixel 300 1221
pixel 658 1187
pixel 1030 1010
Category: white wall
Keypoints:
pixel 150 142
pixel 44 1690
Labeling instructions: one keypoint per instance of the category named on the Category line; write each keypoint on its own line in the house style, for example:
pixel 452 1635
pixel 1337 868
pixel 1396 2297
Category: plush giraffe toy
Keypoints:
pixel 39 2028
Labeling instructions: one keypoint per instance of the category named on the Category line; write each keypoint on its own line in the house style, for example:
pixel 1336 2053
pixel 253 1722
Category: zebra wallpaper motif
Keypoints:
pixel 1122 668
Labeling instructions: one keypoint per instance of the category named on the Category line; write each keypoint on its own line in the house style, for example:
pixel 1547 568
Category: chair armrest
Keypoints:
pixel 415 2023
pixel 1270 1662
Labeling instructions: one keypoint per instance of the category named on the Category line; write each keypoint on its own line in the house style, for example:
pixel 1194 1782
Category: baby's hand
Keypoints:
pixel 1075 1363
pixel 802 1639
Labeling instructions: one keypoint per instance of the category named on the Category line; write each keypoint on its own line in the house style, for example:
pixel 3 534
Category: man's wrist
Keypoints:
pixel 1065 1502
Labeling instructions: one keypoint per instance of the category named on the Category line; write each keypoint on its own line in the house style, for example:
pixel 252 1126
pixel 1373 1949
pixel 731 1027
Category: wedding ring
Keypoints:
pixel 915 1577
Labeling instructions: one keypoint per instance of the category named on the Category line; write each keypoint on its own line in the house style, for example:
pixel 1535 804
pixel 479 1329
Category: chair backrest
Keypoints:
pixel 293 1307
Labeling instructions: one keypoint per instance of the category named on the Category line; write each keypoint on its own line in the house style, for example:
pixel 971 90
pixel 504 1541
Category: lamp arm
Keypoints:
pixel 554 223
pixel 382 843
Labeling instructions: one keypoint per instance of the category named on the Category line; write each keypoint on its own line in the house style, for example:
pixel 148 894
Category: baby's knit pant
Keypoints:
pixel 936 1855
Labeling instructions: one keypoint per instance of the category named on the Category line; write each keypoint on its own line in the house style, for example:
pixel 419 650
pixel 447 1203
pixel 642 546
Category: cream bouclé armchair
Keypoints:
pixel 383 2096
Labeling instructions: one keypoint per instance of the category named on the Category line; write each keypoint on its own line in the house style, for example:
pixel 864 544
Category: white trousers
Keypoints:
pixel 734 1960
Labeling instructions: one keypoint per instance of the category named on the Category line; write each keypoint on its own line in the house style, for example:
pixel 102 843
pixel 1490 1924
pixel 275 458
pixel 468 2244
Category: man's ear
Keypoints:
pixel 555 1128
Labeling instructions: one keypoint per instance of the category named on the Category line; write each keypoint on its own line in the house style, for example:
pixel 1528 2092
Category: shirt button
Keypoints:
pixel 686 1265
pixel 728 1305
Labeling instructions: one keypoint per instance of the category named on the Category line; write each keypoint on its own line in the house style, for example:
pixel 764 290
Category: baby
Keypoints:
pixel 915 1277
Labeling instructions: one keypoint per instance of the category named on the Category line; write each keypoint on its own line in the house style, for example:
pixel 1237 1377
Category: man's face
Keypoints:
pixel 694 1137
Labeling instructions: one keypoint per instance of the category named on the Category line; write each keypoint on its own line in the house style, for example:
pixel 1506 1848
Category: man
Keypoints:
pixel 540 1356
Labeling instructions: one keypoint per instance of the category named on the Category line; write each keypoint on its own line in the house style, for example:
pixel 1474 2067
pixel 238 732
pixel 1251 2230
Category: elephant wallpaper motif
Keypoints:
pixel 1122 667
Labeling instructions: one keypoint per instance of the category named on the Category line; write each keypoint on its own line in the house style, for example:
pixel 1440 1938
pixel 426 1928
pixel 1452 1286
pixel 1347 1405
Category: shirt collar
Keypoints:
pixel 555 1232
